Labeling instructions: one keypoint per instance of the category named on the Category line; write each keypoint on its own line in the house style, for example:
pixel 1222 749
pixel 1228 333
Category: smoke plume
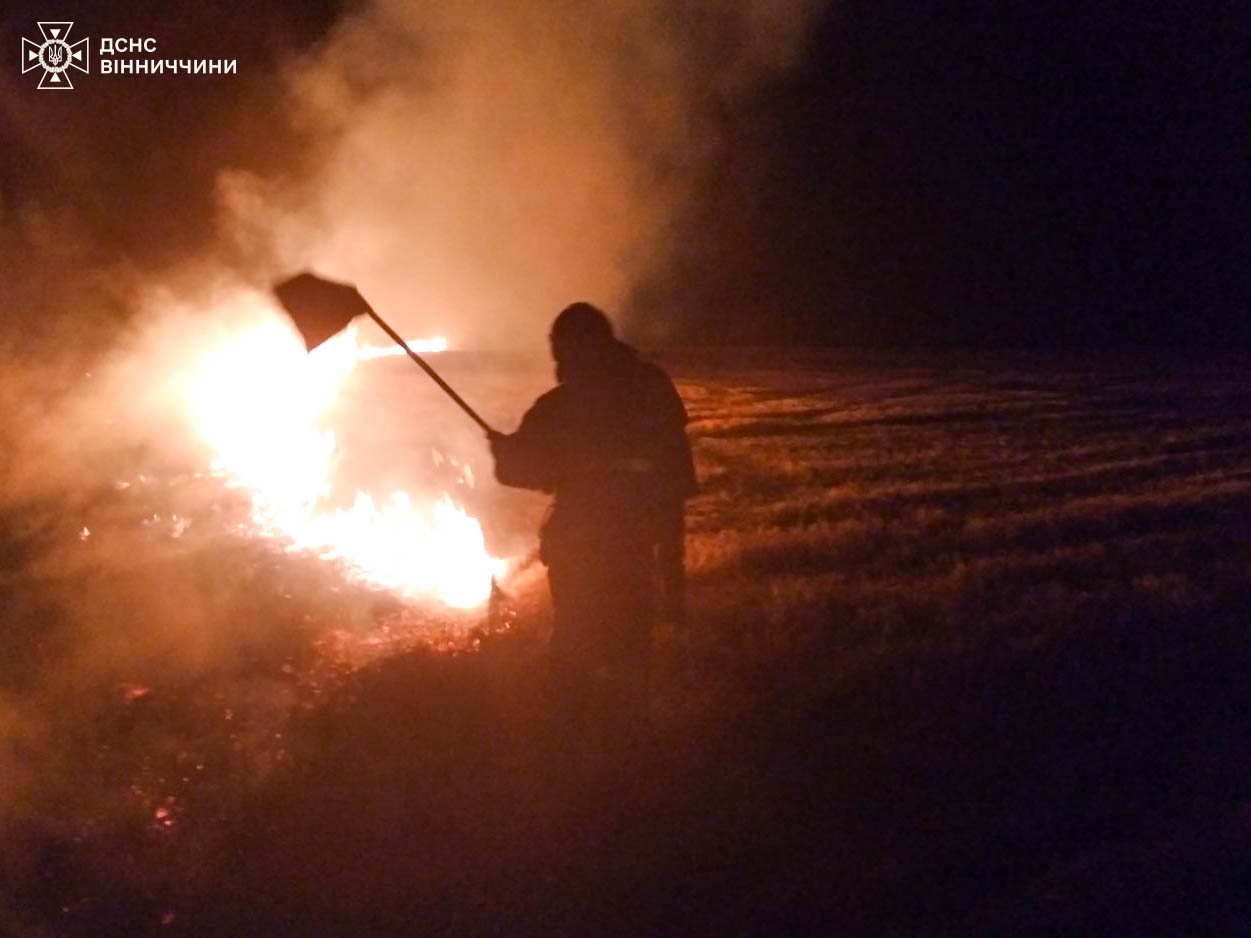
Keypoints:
pixel 484 164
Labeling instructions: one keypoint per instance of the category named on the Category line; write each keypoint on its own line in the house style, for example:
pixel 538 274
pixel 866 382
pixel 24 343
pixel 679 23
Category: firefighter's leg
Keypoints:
pixel 625 648
pixel 570 660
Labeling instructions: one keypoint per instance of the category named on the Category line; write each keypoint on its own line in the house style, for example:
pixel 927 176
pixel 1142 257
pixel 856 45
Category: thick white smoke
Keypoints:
pixel 484 164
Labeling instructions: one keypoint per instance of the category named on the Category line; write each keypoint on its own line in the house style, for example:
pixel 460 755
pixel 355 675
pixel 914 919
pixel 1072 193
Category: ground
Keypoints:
pixel 967 655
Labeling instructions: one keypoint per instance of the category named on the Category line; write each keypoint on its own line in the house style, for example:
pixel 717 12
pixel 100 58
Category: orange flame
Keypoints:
pixel 256 401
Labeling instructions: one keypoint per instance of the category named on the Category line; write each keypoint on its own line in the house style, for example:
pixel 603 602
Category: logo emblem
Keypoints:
pixel 55 55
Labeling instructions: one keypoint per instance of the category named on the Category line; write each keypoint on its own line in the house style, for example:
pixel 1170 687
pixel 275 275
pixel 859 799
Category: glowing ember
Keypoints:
pixel 257 399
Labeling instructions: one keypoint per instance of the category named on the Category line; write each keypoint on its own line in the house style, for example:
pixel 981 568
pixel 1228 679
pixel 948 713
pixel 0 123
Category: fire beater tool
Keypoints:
pixel 320 308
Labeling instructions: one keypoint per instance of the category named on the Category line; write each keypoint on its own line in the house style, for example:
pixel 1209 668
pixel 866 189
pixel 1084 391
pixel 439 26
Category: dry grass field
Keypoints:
pixel 967 655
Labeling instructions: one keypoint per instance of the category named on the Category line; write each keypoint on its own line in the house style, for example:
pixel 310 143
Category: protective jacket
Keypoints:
pixel 611 445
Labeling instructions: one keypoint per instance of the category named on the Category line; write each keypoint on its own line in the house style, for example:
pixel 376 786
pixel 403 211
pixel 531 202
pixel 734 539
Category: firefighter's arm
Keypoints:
pixel 525 459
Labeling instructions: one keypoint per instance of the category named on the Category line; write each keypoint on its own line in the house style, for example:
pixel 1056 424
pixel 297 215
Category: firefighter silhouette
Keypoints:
pixel 609 442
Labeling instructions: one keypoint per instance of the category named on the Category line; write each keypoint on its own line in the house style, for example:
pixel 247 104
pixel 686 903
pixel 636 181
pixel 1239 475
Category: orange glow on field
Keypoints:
pixel 256 399
pixel 434 344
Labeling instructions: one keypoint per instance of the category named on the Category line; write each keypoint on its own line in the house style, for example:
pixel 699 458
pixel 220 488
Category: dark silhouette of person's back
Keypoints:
pixel 609 441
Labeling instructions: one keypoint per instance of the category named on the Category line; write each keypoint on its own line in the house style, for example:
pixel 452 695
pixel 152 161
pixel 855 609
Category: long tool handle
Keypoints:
pixel 431 372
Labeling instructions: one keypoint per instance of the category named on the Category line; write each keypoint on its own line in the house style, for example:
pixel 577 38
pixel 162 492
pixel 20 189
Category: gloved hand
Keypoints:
pixel 495 439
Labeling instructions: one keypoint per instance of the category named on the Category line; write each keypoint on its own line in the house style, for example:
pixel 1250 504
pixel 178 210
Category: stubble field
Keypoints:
pixel 967 654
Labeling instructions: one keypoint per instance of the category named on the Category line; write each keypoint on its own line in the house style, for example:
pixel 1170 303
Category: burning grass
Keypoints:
pixel 967 655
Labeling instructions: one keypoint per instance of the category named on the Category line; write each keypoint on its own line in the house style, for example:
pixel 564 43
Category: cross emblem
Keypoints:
pixel 55 55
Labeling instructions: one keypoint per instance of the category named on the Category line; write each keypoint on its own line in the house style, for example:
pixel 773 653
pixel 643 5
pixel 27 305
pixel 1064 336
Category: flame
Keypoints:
pixel 256 400
pixel 434 344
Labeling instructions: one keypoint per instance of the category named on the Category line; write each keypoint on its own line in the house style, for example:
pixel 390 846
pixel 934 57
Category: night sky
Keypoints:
pixel 931 174
pixel 987 174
